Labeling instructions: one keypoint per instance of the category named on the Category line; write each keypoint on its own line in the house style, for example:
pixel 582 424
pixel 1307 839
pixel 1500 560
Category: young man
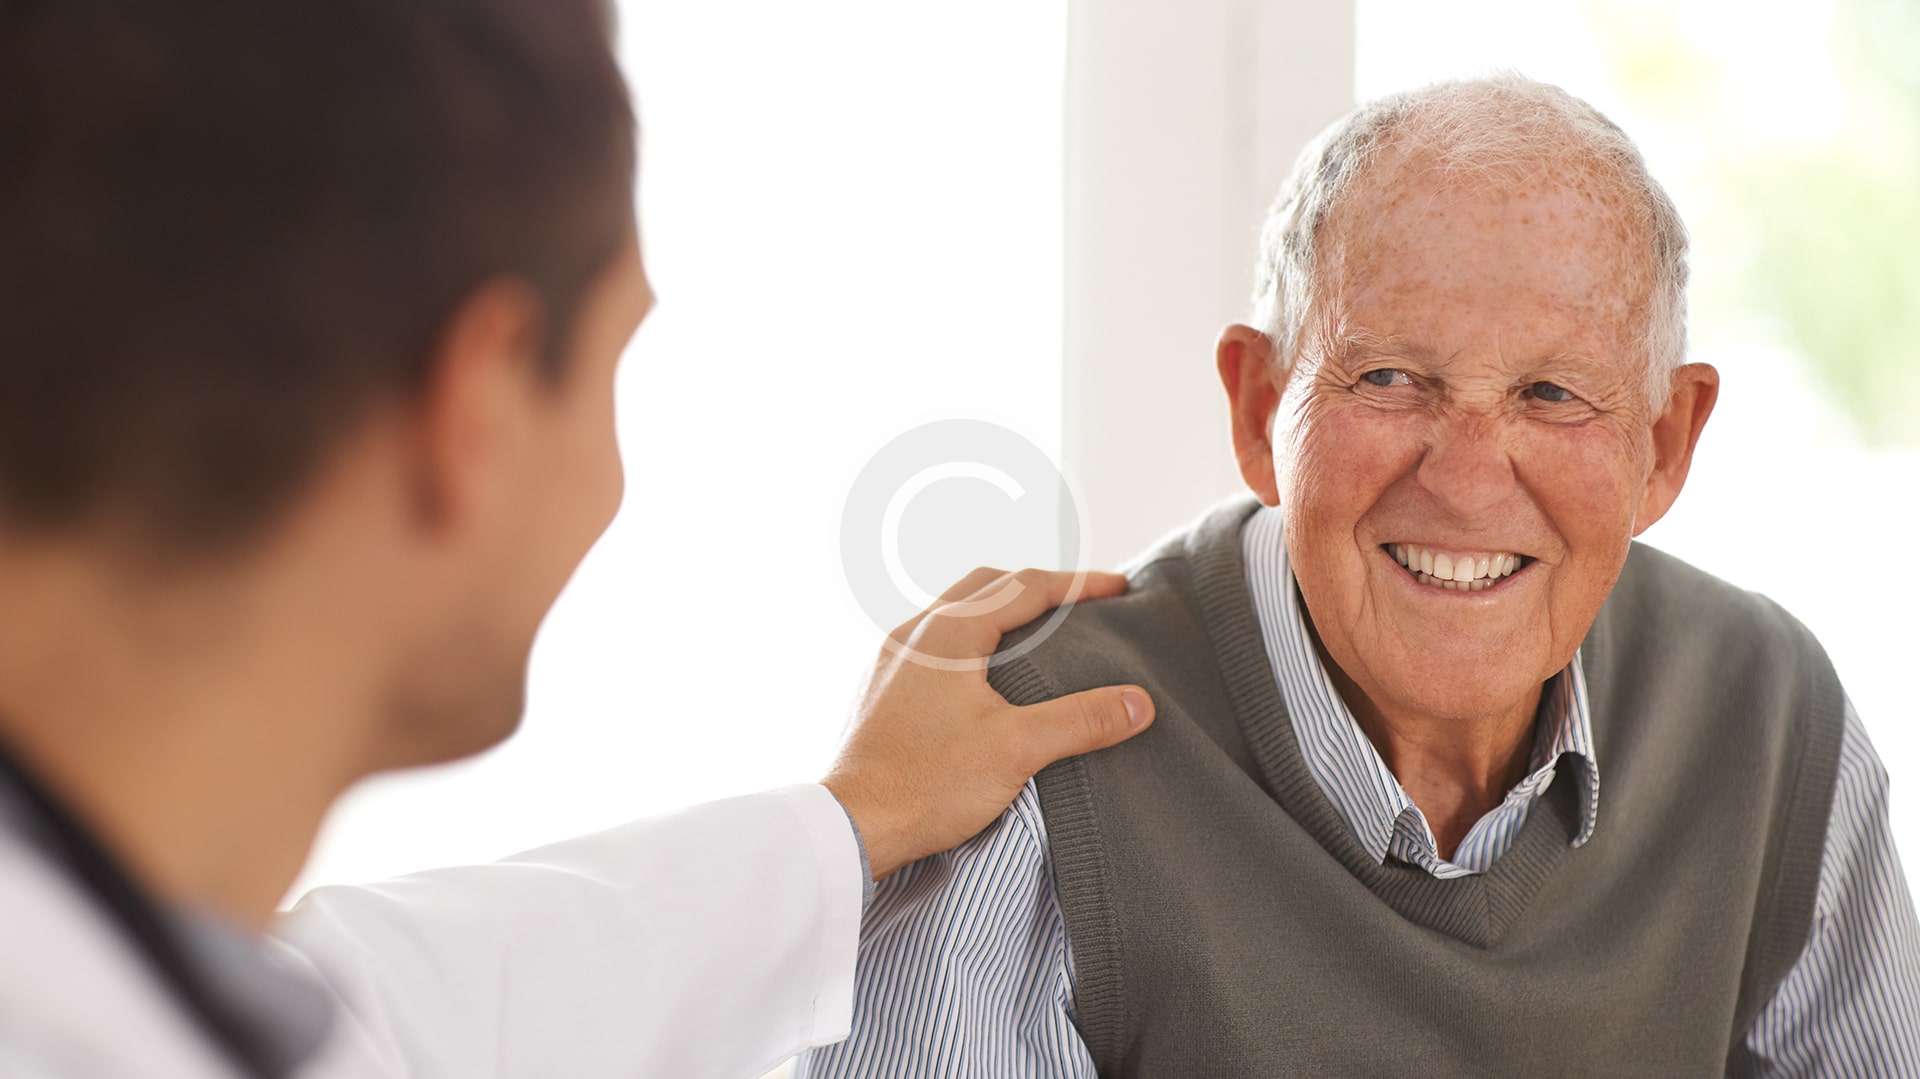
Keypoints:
pixel 306 373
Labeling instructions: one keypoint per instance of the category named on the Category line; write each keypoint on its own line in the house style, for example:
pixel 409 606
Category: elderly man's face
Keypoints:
pixel 1464 449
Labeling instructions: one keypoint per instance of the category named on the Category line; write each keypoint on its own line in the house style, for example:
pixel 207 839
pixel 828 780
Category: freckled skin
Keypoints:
pixel 1467 296
pixel 1474 294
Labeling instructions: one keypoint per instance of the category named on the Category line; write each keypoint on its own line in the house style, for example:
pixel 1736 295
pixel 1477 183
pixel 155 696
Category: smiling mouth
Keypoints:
pixel 1456 571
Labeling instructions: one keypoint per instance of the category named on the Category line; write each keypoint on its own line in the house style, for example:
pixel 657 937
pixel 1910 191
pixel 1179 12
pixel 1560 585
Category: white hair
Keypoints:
pixel 1503 128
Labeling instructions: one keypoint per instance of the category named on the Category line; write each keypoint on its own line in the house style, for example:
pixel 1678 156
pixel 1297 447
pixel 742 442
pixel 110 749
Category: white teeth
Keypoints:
pixel 1454 572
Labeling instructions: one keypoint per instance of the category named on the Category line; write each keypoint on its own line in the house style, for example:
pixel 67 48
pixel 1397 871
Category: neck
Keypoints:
pixel 1457 769
pixel 195 727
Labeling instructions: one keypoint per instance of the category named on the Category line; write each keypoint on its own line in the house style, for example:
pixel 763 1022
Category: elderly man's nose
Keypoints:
pixel 1467 468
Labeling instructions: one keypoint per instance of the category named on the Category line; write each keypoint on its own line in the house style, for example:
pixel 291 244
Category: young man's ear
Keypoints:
pixel 1244 357
pixel 474 400
pixel 1696 386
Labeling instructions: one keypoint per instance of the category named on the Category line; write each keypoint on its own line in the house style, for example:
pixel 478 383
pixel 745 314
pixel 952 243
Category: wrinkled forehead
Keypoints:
pixel 1534 249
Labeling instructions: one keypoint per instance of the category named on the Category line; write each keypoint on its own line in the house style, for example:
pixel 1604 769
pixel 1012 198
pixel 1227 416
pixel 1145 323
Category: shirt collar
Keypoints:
pixel 1342 760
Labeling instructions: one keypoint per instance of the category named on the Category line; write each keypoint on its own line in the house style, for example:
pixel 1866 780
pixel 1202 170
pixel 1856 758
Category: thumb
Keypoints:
pixel 1086 721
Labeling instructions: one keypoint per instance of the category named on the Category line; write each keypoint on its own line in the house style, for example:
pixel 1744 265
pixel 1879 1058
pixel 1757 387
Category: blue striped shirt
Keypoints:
pixel 965 968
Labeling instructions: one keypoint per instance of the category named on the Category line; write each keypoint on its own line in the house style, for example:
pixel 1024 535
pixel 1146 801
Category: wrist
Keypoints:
pixel 859 841
pixel 881 841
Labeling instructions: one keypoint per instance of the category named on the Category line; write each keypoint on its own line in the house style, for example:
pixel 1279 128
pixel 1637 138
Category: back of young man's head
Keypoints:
pixel 226 229
pixel 249 248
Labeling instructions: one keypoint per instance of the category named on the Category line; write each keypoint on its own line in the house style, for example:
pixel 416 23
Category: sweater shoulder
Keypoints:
pixel 1103 641
pixel 1663 602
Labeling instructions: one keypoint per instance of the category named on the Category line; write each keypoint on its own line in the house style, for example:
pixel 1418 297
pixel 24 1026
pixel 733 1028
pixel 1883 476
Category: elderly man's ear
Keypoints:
pixel 1245 358
pixel 1696 386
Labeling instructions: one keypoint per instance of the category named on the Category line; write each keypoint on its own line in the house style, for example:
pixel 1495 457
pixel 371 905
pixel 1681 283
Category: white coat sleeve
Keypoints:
pixel 716 941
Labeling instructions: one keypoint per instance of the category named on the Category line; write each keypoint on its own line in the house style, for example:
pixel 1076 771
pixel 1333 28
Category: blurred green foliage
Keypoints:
pixel 1829 228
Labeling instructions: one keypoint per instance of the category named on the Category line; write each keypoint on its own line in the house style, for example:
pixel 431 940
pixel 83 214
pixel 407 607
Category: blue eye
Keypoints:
pixel 1386 376
pixel 1547 391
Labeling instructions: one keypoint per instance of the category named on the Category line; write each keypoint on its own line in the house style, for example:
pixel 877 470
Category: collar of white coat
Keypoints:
pixel 94 987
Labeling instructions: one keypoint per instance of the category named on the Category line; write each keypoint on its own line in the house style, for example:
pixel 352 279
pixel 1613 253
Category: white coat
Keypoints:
pixel 713 942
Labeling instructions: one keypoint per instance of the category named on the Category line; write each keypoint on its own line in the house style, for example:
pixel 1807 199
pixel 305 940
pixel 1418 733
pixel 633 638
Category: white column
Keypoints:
pixel 1182 118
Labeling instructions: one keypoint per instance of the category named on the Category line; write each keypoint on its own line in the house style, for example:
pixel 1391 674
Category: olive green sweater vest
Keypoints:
pixel 1225 922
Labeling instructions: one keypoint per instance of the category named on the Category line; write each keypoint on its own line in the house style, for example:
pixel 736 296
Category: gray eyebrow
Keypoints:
pixel 1347 341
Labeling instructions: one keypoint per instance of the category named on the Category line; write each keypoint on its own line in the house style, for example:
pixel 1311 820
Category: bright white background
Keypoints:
pixel 863 216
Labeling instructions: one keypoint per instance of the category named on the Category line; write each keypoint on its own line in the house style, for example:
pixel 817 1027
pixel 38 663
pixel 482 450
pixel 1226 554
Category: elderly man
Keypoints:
pixel 1450 777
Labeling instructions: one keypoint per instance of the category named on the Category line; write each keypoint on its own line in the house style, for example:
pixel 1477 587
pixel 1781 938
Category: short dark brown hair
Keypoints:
pixel 227 229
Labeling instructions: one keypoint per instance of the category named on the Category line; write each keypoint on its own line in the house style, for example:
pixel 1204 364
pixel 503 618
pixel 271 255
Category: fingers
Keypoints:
pixel 972 583
pixel 1019 598
pixel 1083 722
pixel 966 586
pixel 987 603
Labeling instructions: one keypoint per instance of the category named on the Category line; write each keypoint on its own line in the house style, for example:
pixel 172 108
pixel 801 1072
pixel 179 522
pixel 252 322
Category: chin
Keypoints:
pixel 1473 679
pixel 488 733
pixel 453 729
pixel 487 725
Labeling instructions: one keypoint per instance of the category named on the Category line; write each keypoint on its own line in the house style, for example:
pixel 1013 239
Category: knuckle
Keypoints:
pixel 935 623
pixel 948 626
pixel 1090 718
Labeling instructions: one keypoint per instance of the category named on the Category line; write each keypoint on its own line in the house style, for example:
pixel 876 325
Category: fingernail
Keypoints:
pixel 1136 703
